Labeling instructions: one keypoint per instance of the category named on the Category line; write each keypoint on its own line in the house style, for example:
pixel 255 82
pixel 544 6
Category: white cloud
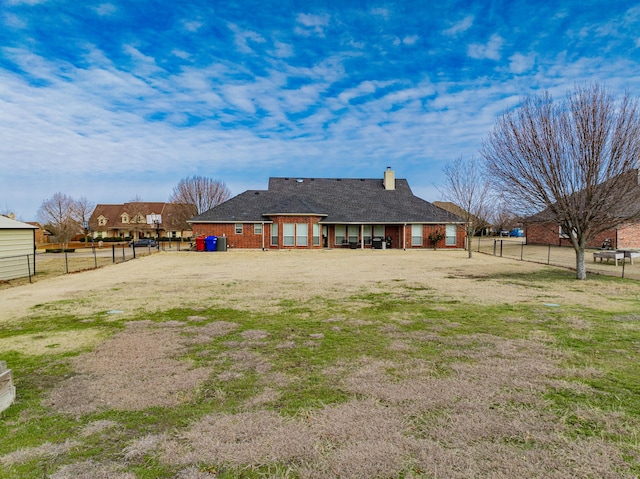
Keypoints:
pixel 180 53
pixel 309 24
pixel 283 50
pixel 490 50
pixel 410 40
pixel 192 25
pixel 14 21
pixel 105 9
pixel 460 27
pixel 519 63
pixel 243 38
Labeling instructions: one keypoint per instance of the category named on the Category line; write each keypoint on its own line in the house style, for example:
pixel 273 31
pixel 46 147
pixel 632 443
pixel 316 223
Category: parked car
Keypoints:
pixel 504 232
pixel 516 233
pixel 143 242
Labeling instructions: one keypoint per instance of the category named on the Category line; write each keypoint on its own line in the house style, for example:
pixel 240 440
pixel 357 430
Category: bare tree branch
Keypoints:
pixel 60 214
pixel 575 160
pixel 204 193
pixel 467 186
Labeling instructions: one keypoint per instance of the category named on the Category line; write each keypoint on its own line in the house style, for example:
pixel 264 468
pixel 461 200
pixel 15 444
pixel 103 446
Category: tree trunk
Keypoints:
pixel 581 270
pixel 469 246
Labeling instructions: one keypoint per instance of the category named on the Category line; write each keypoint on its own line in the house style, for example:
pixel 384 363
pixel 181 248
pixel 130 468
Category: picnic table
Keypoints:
pixel 615 255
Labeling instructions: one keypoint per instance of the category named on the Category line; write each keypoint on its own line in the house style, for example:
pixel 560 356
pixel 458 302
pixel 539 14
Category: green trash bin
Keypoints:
pixel 222 243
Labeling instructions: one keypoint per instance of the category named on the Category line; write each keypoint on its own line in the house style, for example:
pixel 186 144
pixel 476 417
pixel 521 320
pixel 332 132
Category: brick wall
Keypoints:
pixel 626 236
pixel 252 240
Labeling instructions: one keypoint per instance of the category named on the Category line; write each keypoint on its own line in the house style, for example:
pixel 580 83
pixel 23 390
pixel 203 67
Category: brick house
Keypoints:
pixel 316 213
pixel 625 236
pixel 129 220
pixel 539 229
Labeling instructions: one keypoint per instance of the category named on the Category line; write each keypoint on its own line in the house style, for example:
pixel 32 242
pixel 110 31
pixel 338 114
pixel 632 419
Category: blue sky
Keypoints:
pixel 121 99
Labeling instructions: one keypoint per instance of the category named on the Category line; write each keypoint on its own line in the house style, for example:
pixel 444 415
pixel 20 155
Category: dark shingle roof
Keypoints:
pixel 341 200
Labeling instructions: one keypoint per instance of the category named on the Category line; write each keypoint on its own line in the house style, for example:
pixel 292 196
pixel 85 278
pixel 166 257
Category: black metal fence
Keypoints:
pixel 554 255
pixel 55 262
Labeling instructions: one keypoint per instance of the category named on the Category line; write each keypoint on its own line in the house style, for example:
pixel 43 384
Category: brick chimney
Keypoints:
pixel 389 181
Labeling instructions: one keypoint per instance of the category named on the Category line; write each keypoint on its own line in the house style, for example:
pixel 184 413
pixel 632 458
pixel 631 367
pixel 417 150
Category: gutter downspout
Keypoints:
pixel 263 236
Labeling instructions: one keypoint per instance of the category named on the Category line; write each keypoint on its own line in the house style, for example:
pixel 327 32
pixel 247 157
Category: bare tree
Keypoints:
pixel 467 186
pixel 84 208
pixel 502 216
pixel 204 193
pixel 573 162
pixel 60 214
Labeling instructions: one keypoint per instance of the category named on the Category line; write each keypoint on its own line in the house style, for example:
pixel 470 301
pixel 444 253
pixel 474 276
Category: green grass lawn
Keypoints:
pixel 396 384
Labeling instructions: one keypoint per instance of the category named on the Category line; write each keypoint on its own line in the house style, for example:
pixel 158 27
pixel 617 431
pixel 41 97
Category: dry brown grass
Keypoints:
pixel 477 410
pixel 134 370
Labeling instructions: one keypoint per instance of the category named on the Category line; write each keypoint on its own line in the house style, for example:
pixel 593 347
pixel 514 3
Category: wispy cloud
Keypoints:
pixel 459 27
pixel 129 107
pixel 489 51
pixel 309 24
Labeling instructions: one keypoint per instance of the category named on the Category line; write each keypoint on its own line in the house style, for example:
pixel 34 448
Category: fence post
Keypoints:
pixel 95 257
pixel 113 253
pixel 133 247
pixel 549 255
pixel 124 258
pixel 66 261
pixel 501 241
pixel 521 250
pixel 494 247
pixel 624 261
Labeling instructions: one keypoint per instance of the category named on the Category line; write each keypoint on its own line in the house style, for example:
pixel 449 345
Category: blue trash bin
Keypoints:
pixel 210 243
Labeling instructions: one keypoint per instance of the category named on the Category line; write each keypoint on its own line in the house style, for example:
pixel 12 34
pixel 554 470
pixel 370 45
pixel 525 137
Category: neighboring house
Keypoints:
pixel 626 236
pixel 17 249
pixel 129 220
pixel 478 224
pixel 42 235
pixel 539 229
pixel 315 213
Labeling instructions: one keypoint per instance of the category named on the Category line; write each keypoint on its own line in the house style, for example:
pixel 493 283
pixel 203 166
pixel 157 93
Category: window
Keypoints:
pixel 378 231
pixel 125 218
pixel 274 234
pixel 238 228
pixel 102 221
pixel 289 232
pixel 564 231
pixel 367 235
pixel 316 234
pixel 451 235
pixel 340 233
pixel 257 228
pixel 353 233
pixel 302 234
pixel 416 235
